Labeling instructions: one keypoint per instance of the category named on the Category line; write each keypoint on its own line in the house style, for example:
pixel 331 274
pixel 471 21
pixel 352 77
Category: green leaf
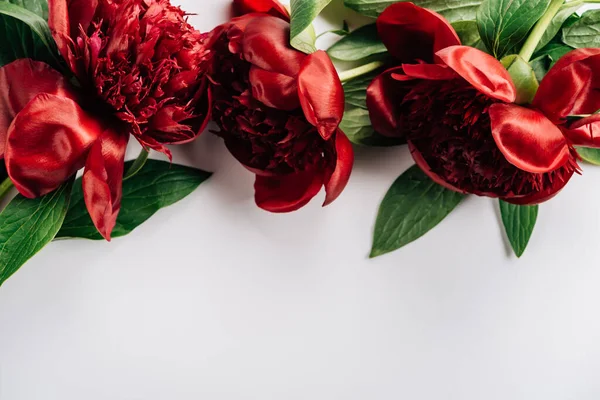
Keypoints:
pixel 584 32
pixel 355 90
pixel 504 24
pixel 27 225
pixel 359 44
pixel 468 32
pixel 356 124
pixel 157 185
pixel 519 222
pixel 302 33
pixel 25 35
pixel 545 58
pixel 523 76
pixel 38 7
pixel 589 155
pixel 452 10
pixel 412 207
pixel 556 25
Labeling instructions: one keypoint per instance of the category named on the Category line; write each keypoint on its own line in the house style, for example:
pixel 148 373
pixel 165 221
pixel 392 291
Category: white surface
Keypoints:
pixel 214 299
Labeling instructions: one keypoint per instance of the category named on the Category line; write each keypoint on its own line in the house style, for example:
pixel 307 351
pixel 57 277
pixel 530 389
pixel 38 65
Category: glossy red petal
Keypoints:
pixel 281 194
pixel 103 180
pixel 481 70
pixel 572 86
pixel 412 33
pixel 384 96
pixel 427 71
pixel 321 93
pixel 266 44
pixel 47 143
pixel 274 89
pixel 66 18
pixel 337 181
pixel 584 132
pixel 272 7
pixel 528 139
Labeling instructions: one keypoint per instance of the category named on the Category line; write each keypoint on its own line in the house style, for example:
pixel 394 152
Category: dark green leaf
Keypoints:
pixel 452 10
pixel 589 155
pixel 523 76
pixel 584 32
pixel 355 90
pixel 556 25
pixel 545 58
pixel 519 222
pixel 38 7
pixel 504 24
pixel 27 225
pixel 356 124
pixel 25 35
pixel 412 207
pixel 157 185
pixel 359 44
pixel 302 33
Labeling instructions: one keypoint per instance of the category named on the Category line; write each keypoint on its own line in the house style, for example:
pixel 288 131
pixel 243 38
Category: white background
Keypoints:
pixel 215 299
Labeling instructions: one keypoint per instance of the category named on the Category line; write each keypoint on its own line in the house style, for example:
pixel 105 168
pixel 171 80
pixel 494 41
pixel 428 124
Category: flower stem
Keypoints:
pixel 359 71
pixel 137 165
pixel 540 28
pixel 5 187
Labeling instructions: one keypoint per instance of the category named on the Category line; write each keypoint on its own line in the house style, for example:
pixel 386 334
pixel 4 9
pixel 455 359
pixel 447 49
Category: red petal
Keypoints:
pixel 321 93
pixel 422 163
pixel 338 180
pixel 412 33
pixel 384 95
pixel 543 196
pixel 66 18
pixel 266 44
pixel 274 89
pixel 528 139
pixel 428 71
pixel 103 179
pixel 47 143
pixel 20 82
pixel 585 132
pixel 272 7
pixel 481 70
pixel 280 194
pixel 572 86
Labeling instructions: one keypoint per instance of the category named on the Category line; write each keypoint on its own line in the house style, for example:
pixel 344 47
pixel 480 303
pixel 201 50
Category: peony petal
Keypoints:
pixel 435 72
pixel 481 70
pixel 422 163
pixel 412 33
pixel 274 89
pixel 266 44
pixel 47 143
pixel 544 195
pixel 584 132
pixel 321 93
pixel 572 86
pixel 66 18
pixel 287 193
pixel 528 139
pixel 272 7
pixel 103 180
pixel 20 82
pixel 384 96
pixel 337 181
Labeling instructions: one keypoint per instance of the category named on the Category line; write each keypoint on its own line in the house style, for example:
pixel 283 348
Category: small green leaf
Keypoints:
pixel 38 7
pixel 355 90
pixel 25 35
pixel 412 207
pixel 302 33
pixel 504 24
pixel 27 225
pixel 452 10
pixel 556 25
pixel 523 76
pixel 356 124
pixel 359 44
pixel 519 222
pixel 157 185
pixel 589 155
pixel 584 32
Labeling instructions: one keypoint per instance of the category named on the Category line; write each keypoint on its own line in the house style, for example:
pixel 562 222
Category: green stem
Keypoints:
pixel 5 187
pixel 137 165
pixel 539 29
pixel 359 71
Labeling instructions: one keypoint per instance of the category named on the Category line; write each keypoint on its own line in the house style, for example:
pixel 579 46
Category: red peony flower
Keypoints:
pixel 140 70
pixel 279 109
pixel 454 106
